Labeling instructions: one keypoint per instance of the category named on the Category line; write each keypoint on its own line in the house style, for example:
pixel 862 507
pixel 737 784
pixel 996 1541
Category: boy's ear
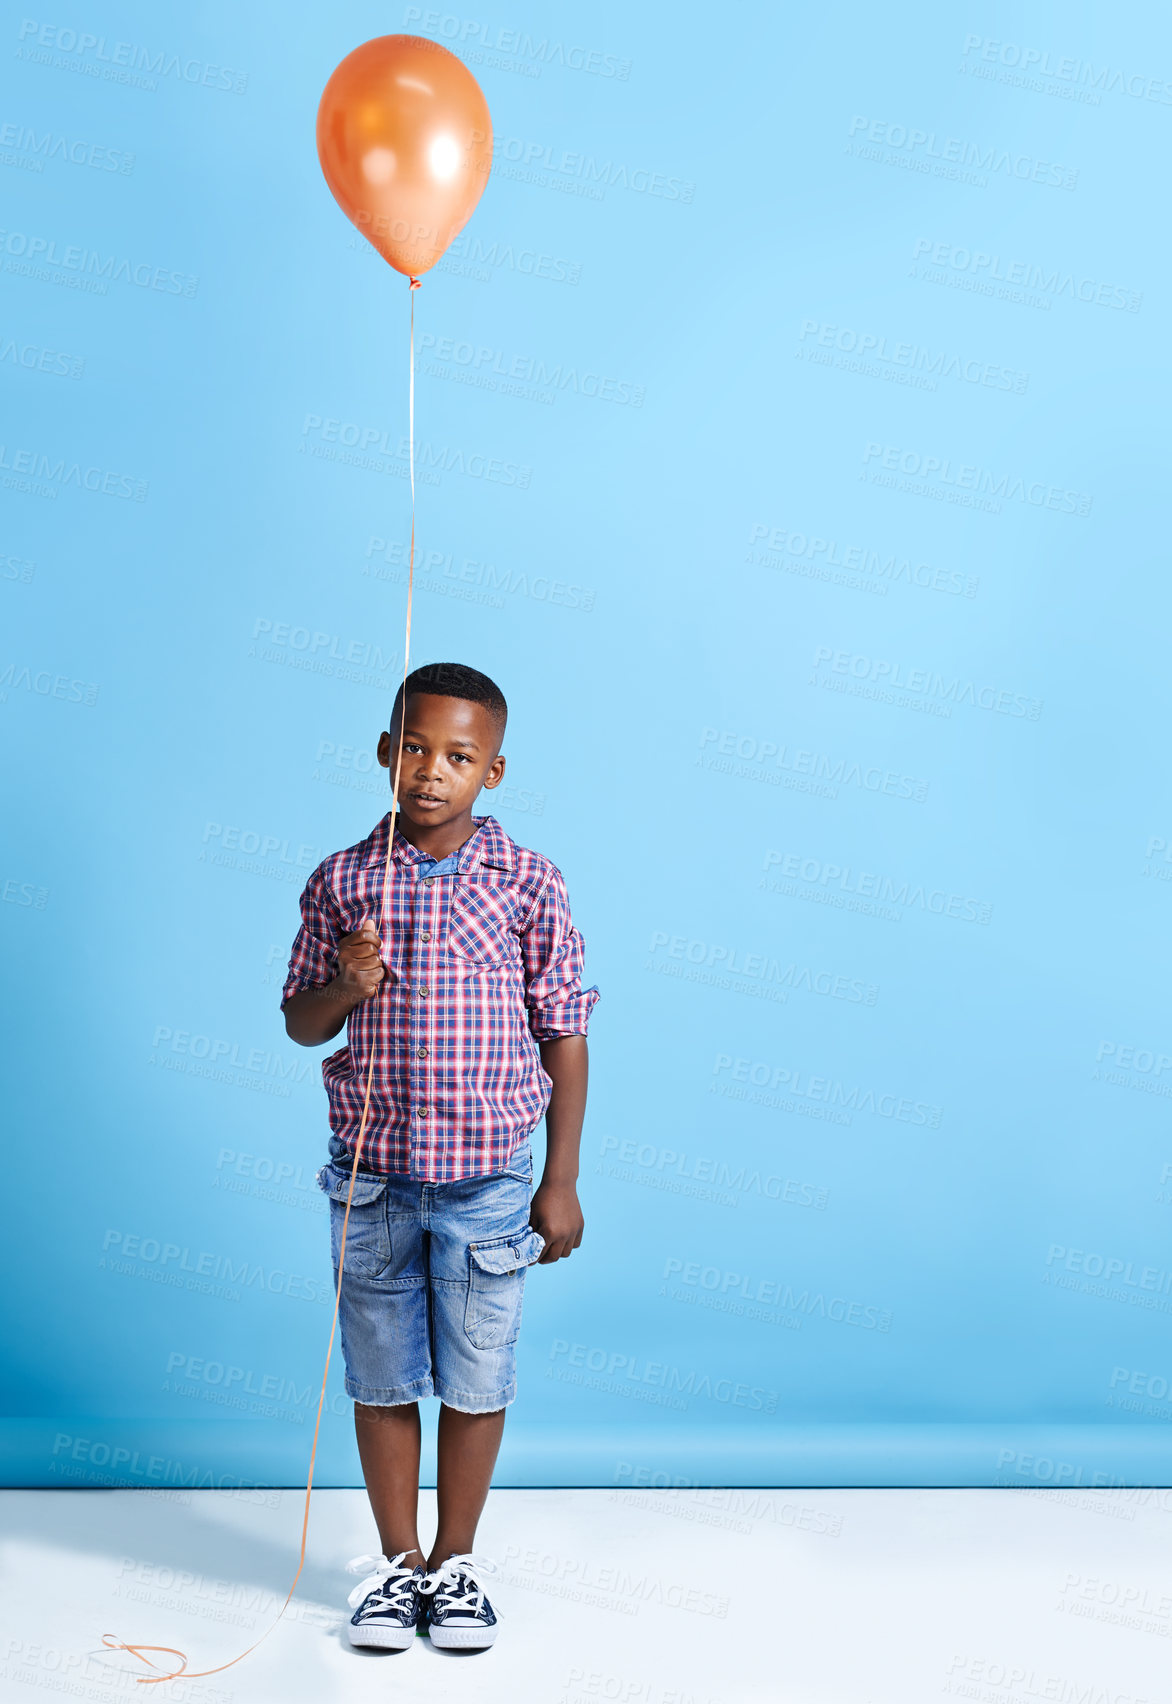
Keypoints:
pixel 496 773
pixel 384 749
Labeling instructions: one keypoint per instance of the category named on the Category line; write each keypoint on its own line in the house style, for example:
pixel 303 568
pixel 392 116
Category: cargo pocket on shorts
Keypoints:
pixel 368 1237
pixel 496 1278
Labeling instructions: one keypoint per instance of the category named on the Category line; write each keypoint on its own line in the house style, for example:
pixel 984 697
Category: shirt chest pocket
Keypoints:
pixel 480 926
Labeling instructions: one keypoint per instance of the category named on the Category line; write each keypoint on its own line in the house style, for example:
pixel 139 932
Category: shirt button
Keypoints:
pixel 422 1111
pixel 425 936
pixel 423 991
pixel 421 1052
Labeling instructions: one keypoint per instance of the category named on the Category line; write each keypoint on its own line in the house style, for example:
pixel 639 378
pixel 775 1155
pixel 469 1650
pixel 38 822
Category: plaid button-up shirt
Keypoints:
pixel 481 964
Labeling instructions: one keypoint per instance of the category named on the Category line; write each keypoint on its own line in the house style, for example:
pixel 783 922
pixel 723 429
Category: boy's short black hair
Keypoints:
pixel 456 680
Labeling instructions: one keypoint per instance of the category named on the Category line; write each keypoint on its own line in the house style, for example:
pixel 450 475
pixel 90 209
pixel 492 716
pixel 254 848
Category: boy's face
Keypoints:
pixel 449 754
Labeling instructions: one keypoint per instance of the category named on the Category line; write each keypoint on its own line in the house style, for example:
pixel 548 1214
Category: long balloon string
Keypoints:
pixel 139 1651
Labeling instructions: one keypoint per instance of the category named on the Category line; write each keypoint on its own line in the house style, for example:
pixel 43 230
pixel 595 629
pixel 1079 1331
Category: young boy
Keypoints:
pixel 467 989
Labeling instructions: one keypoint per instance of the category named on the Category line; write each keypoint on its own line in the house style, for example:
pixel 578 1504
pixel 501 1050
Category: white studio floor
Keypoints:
pixel 641 1597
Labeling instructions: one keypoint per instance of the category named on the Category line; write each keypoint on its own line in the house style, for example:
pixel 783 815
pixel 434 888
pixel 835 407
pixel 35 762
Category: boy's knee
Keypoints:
pixel 384 1411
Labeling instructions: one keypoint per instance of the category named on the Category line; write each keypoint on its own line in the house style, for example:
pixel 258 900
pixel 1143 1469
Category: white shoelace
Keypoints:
pixel 389 1574
pixel 456 1583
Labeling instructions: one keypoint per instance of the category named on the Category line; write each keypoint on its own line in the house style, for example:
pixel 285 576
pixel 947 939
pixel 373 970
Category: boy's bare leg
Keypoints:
pixel 388 1444
pixel 468 1445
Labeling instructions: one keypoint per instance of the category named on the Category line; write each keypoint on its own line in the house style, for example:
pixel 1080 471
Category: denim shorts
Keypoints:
pixel 432 1283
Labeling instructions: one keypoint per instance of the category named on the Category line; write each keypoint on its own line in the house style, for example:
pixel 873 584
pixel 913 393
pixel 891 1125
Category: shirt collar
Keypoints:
pixel 488 846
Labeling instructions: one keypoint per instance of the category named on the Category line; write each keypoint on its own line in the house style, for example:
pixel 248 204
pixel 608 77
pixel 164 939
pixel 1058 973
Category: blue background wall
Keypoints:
pixel 819 548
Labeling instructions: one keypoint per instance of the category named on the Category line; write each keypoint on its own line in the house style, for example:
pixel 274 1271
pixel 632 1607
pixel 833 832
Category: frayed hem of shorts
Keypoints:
pixel 468 1404
pixel 388 1398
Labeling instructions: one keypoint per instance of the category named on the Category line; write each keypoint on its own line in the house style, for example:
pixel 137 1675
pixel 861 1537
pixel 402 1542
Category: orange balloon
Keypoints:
pixel 404 138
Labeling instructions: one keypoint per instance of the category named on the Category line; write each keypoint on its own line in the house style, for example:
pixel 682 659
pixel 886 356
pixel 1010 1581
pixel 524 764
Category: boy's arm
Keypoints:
pixel 329 972
pixel 315 1015
pixel 559 1011
pixel 555 1213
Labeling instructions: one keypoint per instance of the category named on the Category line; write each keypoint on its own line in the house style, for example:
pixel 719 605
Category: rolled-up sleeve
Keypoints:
pixel 314 959
pixel 554 954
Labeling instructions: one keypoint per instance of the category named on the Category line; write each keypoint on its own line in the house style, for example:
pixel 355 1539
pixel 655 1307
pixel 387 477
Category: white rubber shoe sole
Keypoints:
pixel 464 1638
pixel 387 1638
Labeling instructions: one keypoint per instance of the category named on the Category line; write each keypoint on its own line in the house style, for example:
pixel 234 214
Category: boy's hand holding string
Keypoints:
pixel 317 1014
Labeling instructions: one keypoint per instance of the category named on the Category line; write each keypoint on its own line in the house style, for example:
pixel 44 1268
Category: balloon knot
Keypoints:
pixel 415 284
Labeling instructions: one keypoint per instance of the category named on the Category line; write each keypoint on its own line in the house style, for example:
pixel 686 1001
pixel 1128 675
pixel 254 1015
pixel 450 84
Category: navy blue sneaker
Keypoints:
pixel 459 1616
pixel 387 1606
